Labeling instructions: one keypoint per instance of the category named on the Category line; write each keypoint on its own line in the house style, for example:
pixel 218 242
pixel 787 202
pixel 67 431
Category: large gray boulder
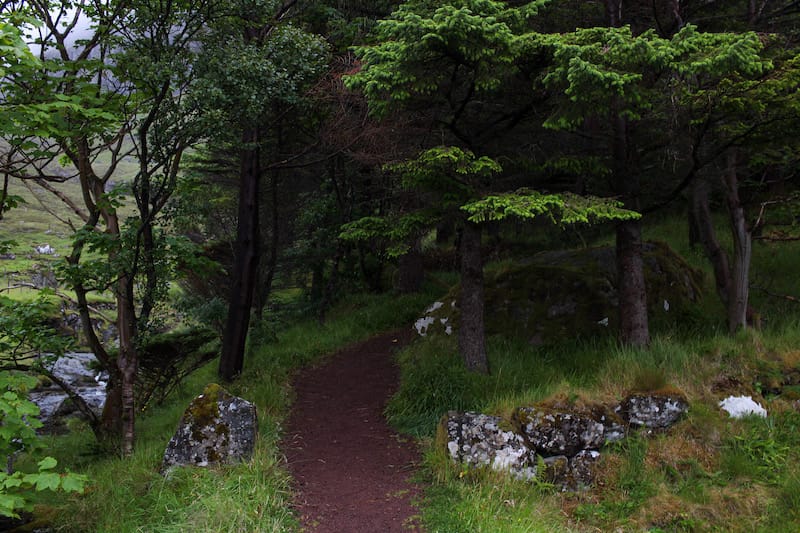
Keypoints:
pixel 216 428
pixel 480 440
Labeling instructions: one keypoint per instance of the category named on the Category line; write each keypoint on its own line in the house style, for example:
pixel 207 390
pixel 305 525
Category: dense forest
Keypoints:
pixel 217 171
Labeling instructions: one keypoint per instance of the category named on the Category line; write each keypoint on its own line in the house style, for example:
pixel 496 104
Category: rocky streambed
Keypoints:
pixel 79 371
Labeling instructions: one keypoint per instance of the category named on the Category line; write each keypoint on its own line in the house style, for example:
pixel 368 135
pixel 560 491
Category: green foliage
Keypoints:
pixel 597 68
pixel 395 232
pixel 561 209
pixel 242 82
pixel 451 171
pixel 24 331
pixel 18 424
pixel 423 43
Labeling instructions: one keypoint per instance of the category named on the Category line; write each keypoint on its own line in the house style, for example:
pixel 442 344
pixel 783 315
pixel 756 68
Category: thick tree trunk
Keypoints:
pixel 739 290
pixel 245 264
pixel 472 332
pixel 700 212
pixel 634 328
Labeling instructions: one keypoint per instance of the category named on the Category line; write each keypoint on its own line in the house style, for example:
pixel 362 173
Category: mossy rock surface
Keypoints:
pixel 564 294
pixel 216 428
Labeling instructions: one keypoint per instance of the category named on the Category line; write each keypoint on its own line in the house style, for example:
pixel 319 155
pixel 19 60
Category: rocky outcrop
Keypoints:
pixel 556 295
pixel 216 428
pixel 557 444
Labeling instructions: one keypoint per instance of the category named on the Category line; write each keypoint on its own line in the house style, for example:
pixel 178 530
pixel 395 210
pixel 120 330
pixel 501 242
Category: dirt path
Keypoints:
pixel 350 470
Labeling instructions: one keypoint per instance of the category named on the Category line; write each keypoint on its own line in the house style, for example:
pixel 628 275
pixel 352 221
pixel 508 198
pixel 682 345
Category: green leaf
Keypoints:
pixel 47 463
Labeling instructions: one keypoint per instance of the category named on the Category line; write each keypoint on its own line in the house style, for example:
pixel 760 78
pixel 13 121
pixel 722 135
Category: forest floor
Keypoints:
pixel 351 471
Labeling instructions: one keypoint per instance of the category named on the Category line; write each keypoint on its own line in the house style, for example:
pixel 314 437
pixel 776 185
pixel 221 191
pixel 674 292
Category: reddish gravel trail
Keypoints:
pixel 350 469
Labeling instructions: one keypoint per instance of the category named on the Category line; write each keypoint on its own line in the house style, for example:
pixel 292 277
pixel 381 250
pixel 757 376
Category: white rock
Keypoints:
pixel 741 406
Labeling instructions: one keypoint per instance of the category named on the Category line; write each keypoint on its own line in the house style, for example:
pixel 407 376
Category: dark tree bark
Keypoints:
pixel 472 333
pixel 267 273
pixel 634 328
pixel 700 214
pixel 410 270
pixel 633 324
pixel 739 290
pixel 245 264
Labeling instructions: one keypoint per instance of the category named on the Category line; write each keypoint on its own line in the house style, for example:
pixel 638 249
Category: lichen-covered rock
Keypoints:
pixel 479 440
pixel 216 428
pixel 614 425
pixel 556 432
pixel 571 473
pixel 655 410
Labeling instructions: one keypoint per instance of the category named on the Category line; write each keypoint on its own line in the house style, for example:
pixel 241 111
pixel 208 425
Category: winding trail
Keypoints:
pixel 350 469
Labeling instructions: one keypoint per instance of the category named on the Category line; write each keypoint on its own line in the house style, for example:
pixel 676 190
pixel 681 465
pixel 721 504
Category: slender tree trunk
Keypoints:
pixel 700 211
pixel 3 194
pixel 245 264
pixel 410 270
pixel 267 273
pixel 472 332
pixel 742 251
pixel 127 362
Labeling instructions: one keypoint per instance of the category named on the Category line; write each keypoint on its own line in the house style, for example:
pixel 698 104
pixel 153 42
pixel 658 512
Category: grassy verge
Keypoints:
pixel 709 473
pixel 130 495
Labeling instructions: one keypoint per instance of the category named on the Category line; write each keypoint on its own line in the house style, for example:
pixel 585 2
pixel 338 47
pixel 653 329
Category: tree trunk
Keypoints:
pixel 127 362
pixel 245 264
pixel 267 273
pixel 700 212
pixel 739 290
pixel 410 270
pixel 472 332
pixel 633 324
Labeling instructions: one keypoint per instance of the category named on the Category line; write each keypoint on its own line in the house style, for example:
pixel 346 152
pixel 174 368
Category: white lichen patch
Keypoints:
pixel 434 306
pixel 741 406
pixel 422 325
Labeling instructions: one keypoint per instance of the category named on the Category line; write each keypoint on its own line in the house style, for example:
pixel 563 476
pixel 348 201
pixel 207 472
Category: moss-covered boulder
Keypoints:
pixel 216 428
pixel 563 294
